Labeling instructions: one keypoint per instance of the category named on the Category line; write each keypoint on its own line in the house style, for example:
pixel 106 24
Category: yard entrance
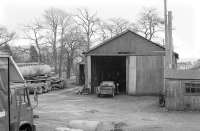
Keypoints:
pixel 108 68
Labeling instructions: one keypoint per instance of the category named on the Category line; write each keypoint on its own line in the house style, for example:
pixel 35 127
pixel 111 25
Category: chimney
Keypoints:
pixel 170 40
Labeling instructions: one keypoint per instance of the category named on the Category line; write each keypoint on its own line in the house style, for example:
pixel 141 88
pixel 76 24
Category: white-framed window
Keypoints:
pixel 192 88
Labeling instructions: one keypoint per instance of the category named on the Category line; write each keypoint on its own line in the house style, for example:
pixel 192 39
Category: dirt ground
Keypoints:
pixel 135 113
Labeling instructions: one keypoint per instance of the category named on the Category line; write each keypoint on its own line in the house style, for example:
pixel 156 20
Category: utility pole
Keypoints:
pixel 168 58
pixel 170 41
pixel 165 63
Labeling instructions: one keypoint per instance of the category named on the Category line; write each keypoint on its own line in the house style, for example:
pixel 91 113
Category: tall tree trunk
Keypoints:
pixel 68 71
pixel 61 55
pixel 86 65
pixel 55 51
pixel 88 42
pixel 39 54
pixel 38 47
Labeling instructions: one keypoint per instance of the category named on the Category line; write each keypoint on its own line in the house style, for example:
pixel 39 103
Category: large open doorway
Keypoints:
pixel 81 74
pixel 108 68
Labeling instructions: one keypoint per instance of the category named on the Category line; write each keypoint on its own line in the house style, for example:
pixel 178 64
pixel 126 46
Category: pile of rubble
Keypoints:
pixel 44 83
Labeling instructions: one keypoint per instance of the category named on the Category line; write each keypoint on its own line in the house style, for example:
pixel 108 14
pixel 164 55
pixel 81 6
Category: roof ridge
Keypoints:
pixel 122 33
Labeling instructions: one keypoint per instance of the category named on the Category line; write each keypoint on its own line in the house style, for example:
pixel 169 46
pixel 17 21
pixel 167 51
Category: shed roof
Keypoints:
pixel 182 74
pixel 106 42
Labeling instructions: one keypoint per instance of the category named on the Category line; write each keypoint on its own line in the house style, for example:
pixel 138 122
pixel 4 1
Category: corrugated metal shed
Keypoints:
pixel 135 62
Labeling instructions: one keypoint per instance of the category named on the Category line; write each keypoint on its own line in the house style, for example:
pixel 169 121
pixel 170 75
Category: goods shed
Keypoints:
pixel 129 59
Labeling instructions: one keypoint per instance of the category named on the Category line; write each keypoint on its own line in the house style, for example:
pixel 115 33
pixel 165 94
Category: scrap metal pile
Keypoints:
pixel 43 83
pixel 40 78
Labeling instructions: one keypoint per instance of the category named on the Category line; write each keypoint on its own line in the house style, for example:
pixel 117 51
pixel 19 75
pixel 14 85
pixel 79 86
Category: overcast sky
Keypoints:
pixel 186 18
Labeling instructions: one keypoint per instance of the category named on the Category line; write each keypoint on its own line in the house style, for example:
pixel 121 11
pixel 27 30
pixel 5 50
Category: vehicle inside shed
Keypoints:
pixel 108 68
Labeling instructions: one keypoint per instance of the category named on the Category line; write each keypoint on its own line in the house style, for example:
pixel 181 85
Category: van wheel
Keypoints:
pixel 25 128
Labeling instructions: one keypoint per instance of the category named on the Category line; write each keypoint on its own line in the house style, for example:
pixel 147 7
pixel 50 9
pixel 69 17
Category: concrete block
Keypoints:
pixel 86 125
pixel 66 129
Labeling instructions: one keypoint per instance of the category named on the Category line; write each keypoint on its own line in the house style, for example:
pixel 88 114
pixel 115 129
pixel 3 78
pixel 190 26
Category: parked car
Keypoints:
pixel 106 88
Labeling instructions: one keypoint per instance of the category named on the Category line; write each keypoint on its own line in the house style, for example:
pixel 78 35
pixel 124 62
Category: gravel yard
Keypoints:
pixel 57 109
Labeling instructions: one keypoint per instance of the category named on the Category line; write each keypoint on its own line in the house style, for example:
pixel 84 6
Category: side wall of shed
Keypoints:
pixel 174 95
pixel 177 98
pixel 149 75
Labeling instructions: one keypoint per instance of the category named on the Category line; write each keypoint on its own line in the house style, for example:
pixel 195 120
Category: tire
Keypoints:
pixel 25 128
pixel 98 95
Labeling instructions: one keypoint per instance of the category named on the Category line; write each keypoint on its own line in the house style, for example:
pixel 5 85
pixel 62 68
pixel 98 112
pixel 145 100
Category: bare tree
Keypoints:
pixel 6 48
pixel 105 31
pixel 47 55
pixel 6 36
pixel 88 22
pixel 33 54
pixel 119 25
pixel 65 20
pixel 114 26
pixel 149 23
pixel 34 33
pixel 20 54
pixel 89 25
pixel 74 43
pixel 52 21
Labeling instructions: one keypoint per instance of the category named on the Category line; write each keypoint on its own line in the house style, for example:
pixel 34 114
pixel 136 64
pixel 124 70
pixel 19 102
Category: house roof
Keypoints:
pixel 119 35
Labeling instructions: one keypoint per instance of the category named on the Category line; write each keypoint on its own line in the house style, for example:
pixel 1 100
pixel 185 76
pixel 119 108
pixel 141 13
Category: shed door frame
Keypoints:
pixel 89 72
pixel 131 73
